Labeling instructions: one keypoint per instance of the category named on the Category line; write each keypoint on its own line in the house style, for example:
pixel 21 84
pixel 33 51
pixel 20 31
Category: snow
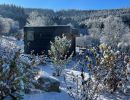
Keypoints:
pixel 48 70
pixel 114 96
pixel 49 96
pixel 12 43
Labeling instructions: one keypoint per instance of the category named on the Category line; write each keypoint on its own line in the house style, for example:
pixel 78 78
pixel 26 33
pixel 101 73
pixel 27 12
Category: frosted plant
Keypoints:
pixel 59 53
pixel 16 76
pixel 111 68
pixel 82 86
pixel 114 29
pixel 37 19
pixel 106 70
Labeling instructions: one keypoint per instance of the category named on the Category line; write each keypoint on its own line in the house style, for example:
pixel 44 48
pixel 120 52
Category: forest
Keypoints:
pixel 15 17
pixel 100 69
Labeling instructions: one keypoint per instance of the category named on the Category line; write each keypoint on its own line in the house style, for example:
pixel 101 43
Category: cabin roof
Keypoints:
pixel 50 26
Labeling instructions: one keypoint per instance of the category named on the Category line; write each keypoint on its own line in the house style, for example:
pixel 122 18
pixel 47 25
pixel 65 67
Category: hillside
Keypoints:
pixel 49 17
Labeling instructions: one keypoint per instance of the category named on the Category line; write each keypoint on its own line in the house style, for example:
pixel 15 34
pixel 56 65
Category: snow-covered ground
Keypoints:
pixel 49 96
pixel 11 43
pixel 47 70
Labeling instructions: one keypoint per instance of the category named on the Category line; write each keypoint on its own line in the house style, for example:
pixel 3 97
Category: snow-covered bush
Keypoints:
pixel 16 75
pixel 106 68
pixel 82 85
pixel 7 49
pixel 8 25
pixel 37 19
pixel 110 68
pixel 114 29
pixel 59 53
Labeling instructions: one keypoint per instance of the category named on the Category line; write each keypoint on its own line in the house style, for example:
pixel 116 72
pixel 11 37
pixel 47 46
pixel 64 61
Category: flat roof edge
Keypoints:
pixel 50 26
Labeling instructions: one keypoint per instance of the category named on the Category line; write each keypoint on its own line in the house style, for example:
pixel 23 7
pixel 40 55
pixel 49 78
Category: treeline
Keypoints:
pixel 12 19
pixel 33 17
pixel 16 13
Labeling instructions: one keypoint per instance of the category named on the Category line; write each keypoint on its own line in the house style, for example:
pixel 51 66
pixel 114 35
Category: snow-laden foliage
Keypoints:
pixel 112 64
pixel 60 17
pixel 106 68
pixel 8 25
pixel 114 29
pixel 16 75
pixel 59 53
pixel 109 66
pixel 35 19
pixel 7 49
pixel 82 86
pixel 110 30
pixel 84 41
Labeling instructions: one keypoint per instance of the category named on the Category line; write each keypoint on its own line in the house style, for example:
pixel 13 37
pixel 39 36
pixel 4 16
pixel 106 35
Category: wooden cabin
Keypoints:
pixel 38 38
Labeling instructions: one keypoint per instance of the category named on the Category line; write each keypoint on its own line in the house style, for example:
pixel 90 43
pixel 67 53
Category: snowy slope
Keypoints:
pixel 47 71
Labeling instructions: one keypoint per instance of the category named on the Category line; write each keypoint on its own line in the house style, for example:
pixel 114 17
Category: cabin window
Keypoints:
pixel 30 36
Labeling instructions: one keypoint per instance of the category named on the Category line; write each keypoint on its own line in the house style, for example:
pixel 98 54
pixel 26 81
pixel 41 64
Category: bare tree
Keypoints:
pixel 8 25
pixel 36 19
pixel 113 30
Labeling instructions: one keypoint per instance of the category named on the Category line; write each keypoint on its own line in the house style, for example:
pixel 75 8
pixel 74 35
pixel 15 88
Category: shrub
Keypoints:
pixel 106 70
pixel 59 53
pixel 16 76
pixel 82 86
pixel 109 66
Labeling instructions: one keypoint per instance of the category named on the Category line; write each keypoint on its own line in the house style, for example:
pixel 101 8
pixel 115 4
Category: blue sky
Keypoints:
pixel 70 4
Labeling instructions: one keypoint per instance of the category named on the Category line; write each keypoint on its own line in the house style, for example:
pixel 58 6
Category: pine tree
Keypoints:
pixel 59 53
